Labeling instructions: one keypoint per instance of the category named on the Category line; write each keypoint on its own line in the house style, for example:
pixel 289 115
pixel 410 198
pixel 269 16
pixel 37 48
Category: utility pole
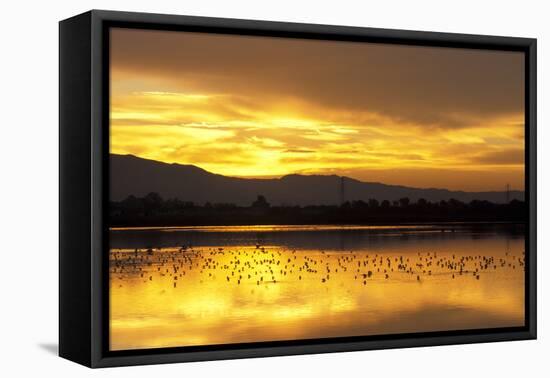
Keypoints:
pixel 507 193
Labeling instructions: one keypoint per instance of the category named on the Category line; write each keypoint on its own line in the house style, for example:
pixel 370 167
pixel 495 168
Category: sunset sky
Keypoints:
pixel 267 107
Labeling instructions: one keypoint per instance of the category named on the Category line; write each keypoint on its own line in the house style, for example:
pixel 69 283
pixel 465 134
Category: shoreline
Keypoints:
pixel 435 226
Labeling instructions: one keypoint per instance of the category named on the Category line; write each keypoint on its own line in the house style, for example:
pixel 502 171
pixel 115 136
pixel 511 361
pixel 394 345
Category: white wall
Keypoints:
pixel 28 211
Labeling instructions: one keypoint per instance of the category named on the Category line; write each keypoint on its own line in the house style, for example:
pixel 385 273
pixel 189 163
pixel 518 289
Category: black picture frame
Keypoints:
pixel 83 180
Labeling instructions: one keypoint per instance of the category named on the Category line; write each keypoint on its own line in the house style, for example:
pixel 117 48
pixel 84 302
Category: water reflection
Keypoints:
pixel 197 287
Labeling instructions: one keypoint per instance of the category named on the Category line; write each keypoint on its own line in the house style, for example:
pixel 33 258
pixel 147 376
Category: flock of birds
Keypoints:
pixel 259 265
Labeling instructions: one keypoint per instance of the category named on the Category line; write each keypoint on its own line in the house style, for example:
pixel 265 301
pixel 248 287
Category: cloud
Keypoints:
pixel 300 151
pixel 504 157
pixel 438 86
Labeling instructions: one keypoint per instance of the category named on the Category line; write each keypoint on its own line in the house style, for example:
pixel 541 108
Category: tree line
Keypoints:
pixel 152 209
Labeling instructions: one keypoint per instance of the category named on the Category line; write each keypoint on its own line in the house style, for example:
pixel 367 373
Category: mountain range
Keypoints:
pixel 131 175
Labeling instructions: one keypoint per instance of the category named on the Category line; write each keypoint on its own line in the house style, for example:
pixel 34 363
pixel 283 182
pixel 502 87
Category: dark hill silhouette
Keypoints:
pixel 131 175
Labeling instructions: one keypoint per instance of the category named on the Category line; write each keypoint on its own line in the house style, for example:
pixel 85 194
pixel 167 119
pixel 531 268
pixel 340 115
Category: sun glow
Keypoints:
pixel 160 126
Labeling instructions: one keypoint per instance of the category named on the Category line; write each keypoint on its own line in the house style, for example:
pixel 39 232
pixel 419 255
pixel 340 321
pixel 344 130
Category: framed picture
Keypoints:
pixel 233 188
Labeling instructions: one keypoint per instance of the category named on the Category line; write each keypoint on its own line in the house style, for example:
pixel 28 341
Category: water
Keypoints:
pixel 218 285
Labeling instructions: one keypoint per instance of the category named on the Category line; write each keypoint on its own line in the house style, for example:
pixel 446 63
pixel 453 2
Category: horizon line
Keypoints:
pixel 274 177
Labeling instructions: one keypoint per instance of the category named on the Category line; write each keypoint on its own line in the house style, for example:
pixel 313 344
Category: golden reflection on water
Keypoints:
pixel 217 295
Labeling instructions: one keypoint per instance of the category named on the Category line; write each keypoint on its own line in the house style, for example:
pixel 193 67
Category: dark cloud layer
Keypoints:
pixel 431 86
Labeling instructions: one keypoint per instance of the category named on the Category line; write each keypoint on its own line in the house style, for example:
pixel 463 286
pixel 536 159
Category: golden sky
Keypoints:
pixel 267 107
